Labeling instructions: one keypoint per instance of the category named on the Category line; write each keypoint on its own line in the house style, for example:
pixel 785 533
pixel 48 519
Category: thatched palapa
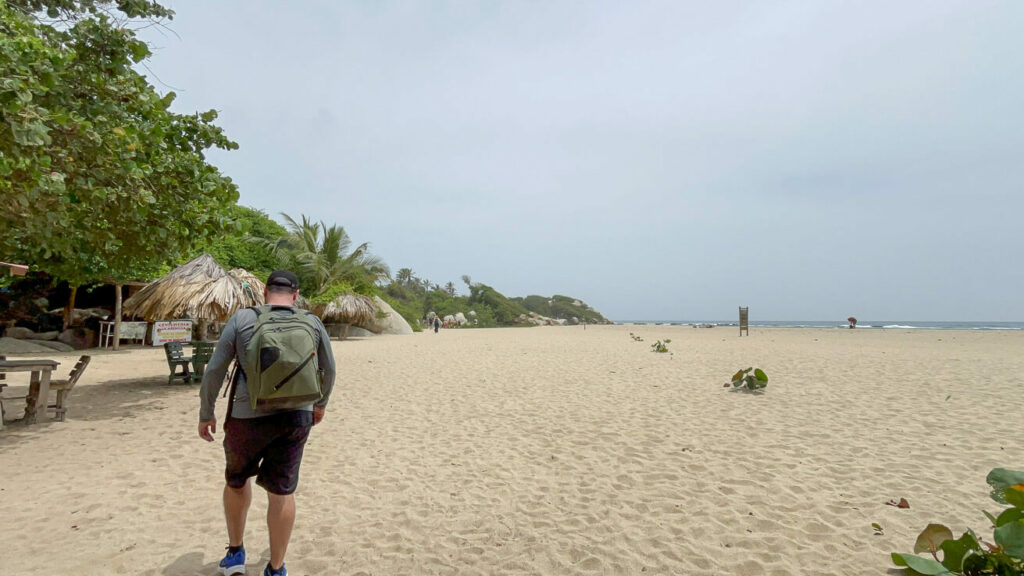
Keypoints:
pixel 200 289
pixel 347 309
pixel 251 285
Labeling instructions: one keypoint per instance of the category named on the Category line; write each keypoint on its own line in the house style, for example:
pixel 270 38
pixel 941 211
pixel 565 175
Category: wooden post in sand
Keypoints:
pixel 117 316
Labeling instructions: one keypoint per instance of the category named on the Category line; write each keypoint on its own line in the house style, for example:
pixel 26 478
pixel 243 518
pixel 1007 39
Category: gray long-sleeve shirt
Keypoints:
pixel 233 339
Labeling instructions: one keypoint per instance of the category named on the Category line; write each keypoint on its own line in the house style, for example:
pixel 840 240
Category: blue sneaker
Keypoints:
pixel 268 571
pixel 233 563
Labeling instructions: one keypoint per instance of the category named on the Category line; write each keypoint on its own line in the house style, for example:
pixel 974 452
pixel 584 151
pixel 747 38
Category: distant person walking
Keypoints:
pixel 437 323
pixel 280 387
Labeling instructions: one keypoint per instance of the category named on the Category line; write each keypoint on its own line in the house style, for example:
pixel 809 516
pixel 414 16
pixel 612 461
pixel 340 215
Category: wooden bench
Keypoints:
pixel 63 388
pixel 201 354
pixel 176 357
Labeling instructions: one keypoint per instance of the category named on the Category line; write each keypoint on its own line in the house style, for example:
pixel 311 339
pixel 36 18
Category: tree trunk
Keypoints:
pixel 70 307
pixel 117 316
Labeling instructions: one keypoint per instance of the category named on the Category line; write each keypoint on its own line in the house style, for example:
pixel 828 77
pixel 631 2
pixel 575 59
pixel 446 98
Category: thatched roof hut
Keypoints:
pixel 251 285
pixel 347 309
pixel 199 289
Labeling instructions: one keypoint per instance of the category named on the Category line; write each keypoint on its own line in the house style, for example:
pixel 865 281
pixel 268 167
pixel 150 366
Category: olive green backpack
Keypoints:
pixel 281 370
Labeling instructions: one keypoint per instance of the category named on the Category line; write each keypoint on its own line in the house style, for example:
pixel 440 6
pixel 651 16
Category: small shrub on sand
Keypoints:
pixel 660 346
pixel 744 380
pixel 635 337
pixel 969 555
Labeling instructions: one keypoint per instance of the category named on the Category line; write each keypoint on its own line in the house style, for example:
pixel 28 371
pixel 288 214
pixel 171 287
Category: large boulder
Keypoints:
pixel 80 315
pixel 78 338
pixel 54 345
pixel 357 332
pixel 20 332
pixel 15 346
pixel 460 319
pixel 391 323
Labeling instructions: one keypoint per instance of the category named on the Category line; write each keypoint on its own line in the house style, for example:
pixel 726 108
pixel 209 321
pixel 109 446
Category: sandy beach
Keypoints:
pixel 542 451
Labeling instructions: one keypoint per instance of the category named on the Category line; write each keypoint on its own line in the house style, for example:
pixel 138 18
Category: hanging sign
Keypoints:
pixel 172 331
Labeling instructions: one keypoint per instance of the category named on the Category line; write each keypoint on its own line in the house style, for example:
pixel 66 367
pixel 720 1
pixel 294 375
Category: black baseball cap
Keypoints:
pixel 285 278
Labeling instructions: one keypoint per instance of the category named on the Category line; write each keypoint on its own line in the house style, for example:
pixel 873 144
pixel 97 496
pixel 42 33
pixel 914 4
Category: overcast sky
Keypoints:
pixel 659 160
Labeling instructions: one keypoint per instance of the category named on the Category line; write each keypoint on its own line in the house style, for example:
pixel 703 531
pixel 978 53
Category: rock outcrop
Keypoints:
pixel 537 320
pixel 78 338
pixel 21 333
pixel 391 323
pixel 357 332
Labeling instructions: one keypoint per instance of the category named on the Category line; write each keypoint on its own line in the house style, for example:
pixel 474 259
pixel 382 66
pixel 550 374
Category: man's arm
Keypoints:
pixel 325 359
pixel 213 376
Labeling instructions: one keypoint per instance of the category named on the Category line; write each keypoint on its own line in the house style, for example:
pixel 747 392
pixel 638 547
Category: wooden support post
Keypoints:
pixel 117 316
pixel 69 308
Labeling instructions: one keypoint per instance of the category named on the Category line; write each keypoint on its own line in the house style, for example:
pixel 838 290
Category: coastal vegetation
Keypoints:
pixel 971 555
pixel 559 306
pixel 749 381
pixel 661 346
pixel 100 179
pixel 323 257
pixel 103 183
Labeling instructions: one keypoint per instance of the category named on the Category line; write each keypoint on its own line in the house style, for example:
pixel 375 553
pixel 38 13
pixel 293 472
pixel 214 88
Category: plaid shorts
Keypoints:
pixel 269 448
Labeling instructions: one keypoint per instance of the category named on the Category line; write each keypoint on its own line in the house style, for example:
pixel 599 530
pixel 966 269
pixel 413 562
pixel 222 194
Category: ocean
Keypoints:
pixel 869 325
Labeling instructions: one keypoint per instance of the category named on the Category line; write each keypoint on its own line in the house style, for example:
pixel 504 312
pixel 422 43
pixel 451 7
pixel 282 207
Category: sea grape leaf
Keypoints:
pixel 954 551
pixel 760 375
pixel 1007 516
pixel 931 538
pixel 918 564
pixel 1011 537
pixel 1001 479
pixel 1015 495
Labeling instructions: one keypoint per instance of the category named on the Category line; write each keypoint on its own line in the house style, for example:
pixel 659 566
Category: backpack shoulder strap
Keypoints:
pixel 236 370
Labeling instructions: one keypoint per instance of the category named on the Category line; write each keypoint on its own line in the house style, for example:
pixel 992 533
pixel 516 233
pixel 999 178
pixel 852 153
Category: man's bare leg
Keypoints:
pixel 236 509
pixel 280 519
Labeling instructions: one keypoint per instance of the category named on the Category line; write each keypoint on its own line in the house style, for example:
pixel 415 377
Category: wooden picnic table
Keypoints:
pixel 41 370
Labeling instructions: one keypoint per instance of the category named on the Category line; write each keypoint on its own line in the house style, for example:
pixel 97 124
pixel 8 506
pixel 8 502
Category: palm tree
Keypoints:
pixel 322 256
pixel 450 289
pixel 404 276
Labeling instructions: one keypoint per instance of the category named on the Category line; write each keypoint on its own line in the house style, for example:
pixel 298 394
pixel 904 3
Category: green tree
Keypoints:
pixel 404 276
pixel 100 179
pixel 245 246
pixel 504 310
pixel 559 306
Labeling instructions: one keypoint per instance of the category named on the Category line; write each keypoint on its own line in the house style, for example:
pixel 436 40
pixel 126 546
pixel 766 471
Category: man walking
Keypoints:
pixel 267 425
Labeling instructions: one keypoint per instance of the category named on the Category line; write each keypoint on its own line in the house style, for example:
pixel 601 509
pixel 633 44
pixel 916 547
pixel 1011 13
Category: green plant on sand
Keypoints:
pixel 660 346
pixel 969 555
pixel 635 337
pixel 744 380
